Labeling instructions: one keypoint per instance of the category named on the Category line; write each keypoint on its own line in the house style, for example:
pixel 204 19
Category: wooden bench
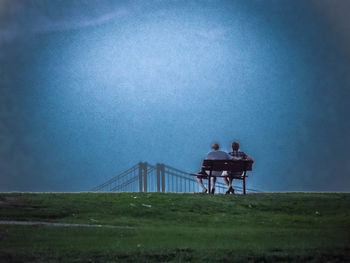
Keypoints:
pixel 235 166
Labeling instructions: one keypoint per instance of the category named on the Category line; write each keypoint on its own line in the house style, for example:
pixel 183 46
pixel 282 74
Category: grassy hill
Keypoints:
pixel 288 227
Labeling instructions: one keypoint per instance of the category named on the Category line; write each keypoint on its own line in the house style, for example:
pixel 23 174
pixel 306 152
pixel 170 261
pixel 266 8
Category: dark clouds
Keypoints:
pixel 88 88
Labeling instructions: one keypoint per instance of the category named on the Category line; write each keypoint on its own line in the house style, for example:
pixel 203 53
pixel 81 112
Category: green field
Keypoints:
pixel 288 227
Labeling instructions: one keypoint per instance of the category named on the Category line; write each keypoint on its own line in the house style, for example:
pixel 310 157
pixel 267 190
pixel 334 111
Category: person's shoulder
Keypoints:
pixel 222 153
pixel 209 154
pixel 214 153
pixel 217 154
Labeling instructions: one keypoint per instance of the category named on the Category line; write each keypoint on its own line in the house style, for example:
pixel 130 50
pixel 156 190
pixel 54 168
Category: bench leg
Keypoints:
pixel 244 185
pixel 209 184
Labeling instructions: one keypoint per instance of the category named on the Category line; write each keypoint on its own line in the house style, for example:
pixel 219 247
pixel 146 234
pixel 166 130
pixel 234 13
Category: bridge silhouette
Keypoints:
pixel 144 177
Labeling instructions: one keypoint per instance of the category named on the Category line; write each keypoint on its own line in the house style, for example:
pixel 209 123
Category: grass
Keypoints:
pixel 288 227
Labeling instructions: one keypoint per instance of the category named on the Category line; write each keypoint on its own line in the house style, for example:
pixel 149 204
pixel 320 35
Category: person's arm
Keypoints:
pixel 208 157
pixel 228 156
pixel 249 158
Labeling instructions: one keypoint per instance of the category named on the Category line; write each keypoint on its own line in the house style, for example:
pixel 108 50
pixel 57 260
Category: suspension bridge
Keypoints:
pixel 144 177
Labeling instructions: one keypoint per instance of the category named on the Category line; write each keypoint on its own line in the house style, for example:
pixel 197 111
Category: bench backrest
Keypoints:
pixel 228 165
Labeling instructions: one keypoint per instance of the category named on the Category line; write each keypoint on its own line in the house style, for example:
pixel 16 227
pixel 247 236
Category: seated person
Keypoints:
pixel 215 154
pixel 236 154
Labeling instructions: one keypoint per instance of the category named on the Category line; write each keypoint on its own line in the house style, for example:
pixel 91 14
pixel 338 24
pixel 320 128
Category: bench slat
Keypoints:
pixel 228 165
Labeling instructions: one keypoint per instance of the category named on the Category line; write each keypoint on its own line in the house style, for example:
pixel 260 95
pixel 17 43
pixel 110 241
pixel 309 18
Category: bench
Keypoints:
pixel 234 166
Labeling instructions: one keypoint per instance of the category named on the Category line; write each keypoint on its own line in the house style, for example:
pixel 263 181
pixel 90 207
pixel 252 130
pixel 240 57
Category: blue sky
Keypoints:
pixel 89 88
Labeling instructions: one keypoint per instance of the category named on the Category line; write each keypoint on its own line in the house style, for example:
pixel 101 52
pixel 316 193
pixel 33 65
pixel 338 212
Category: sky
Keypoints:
pixel 90 88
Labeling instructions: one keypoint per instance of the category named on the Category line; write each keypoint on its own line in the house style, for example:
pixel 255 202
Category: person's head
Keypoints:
pixel 215 146
pixel 235 146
